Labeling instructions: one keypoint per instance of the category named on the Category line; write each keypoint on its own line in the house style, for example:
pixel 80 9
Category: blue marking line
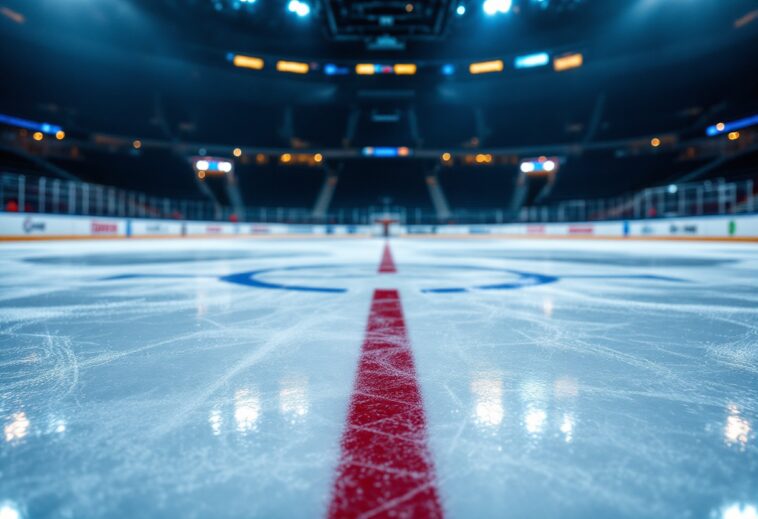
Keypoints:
pixel 249 279
pixel 523 279
pixel 443 290
pixel 625 276
pixel 166 276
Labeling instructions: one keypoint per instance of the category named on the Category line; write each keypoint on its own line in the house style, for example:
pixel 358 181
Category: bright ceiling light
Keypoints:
pixel 527 167
pixel 301 9
pixel 493 7
pixel 460 10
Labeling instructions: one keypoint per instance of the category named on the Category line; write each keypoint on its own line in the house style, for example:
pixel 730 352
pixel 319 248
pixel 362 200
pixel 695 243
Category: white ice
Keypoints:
pixel 136 382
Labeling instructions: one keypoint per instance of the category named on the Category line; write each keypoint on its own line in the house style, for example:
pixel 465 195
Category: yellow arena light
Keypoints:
pixel 365 69
pixel 568 62
pixel 484 67
pixel 405 69
pixel 294 67
pixel 247 62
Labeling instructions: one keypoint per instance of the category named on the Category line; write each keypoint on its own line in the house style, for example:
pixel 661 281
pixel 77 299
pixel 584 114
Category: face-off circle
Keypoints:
pixel 435 279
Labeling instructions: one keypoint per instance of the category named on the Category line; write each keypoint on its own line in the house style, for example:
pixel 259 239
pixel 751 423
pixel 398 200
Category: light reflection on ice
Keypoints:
pixel 547 307
pixel 567 427
pixel 247 409
pixel 566 387
pixel 56 425
pixel 534 396
pixel 9 510
pixel 488 400
pixel 566 390
pixel 534 421
pixel 738 511
pixel 17 428
pixel 737 428
pixel 293 397
pixel 216 421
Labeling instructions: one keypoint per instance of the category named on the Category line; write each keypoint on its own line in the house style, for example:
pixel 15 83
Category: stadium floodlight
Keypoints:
pixel 460 10
pixel 251 62
pixel 539 59
pixel 404 69
pixel 386 152
pixel 302 9
pixel 294 67
pixel 493 7
pixel 568 61
pixel 527 167
pixel 484 67
pixel 540 165
pixel 739 124
pixel 212 166
pixel 365 69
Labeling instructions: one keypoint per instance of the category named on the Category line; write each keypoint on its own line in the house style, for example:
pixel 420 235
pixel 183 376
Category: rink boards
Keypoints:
pixel 40 226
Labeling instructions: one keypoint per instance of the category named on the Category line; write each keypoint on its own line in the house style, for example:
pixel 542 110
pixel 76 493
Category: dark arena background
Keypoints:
pixel 379 259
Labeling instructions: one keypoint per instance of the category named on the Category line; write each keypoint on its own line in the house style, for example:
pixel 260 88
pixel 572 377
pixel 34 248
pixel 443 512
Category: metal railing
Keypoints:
pixel 31 194
pixel 696 199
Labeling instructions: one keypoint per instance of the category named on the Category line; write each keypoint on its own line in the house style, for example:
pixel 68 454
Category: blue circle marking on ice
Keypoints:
pixel 518 279
pixel 413 273
pixel 251 279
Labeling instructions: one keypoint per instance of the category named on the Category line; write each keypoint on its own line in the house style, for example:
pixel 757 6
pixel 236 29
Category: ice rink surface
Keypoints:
pixel 214 378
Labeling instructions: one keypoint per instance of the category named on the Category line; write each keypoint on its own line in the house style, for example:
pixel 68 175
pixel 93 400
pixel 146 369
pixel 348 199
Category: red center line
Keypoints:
pixel 387 266
pixel 385 469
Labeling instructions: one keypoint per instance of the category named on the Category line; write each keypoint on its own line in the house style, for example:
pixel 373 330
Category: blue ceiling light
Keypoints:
pixel 330 69
pixel 30 125
pixel 493 7
pixel 539 59
pixel 460 10
pixel 448 69
pixel 720 128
